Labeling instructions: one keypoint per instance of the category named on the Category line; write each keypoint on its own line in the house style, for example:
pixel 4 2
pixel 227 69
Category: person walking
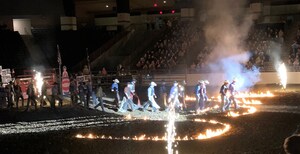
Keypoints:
pixel 44 95
pixel 115 90
pixel 233 92
pixel 18 94
pixel 134 94
pixel 31 96
pixel 73 92
pixel 163 94
pixel 197 94
pixel 89 93
pixel 82 92
pixel 182 89
pixel 223 93
pixel 173 99
pixel 55 96
pixel 127 100
pixel 99 95
pixel 10 94
pixel 151 98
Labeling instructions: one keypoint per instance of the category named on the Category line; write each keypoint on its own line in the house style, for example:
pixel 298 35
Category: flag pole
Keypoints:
pixel 89 65
pixel 59 69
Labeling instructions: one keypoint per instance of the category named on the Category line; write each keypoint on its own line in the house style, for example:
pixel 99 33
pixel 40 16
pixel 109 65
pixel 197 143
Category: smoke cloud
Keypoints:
pixel 275 53
pixel 226 28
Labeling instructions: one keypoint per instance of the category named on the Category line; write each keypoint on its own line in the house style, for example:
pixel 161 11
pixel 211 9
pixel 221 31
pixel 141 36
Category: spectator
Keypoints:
pixel 85 70
pixel 103 72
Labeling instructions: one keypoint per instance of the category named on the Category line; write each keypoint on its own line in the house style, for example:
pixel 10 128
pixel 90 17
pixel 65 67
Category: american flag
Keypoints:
pixel 87 55
pixel 58 56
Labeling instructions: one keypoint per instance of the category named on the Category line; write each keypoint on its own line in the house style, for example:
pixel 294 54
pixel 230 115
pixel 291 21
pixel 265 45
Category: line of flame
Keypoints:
pixel 250 110
pixel 238 95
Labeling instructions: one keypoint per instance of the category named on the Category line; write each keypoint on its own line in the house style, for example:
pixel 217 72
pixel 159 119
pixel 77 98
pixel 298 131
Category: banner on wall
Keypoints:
pixel 5 75
pixel 65 81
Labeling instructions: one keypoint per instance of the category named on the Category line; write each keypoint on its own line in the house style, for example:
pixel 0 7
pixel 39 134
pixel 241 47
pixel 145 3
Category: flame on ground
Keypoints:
pixel 190 98
pixel 128 117
pixel 254 95
pixel 241 95
pixel 207 109
pixel 249 102
pixel 250 110
pixel 208 133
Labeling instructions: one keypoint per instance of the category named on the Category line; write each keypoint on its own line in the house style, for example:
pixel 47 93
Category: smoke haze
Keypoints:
pixel 226 28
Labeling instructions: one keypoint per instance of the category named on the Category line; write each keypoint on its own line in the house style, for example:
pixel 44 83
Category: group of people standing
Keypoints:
pixel 12 94
pixel 176 93
pixel 226 99
pixel 129 95
pixel 175 98
pixel 84 92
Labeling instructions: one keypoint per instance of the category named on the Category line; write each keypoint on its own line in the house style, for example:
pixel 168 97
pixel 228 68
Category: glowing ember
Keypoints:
pixel 91 136
pixel 282 75
pixel 128 117
pixel 189 98
pixel 248 102
pixel 207 109
pixel 250 110
pixel 254 95
pixel 39 82
pixel 145 118
pixel 79 136
pixel 210 133
pixel 233 114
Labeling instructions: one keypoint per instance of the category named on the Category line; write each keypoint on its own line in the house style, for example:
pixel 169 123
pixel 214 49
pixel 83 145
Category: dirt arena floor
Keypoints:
pixel 53 131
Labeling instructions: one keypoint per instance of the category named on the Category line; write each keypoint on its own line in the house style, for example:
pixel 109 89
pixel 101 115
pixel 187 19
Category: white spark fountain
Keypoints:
pixel 171 129
pixel 39 82
pixel 282 75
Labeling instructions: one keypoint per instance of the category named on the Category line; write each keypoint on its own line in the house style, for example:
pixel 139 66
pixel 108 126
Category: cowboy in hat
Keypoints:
pixel 115 89
pixel 232 90
pixel 132 89
pixel 173 97
pixel 223 91
pixel 151 95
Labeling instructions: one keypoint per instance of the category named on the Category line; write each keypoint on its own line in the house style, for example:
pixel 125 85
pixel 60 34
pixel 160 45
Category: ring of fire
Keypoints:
pixel 208 133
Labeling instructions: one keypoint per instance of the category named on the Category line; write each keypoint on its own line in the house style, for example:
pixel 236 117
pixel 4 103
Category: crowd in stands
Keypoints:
pixel 200 62
pixel 293 60
pixel 258 44
pixel 168 51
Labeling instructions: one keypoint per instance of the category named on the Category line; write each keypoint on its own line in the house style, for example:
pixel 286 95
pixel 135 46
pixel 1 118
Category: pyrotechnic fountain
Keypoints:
pixel 38 81
pixel 282 74
pixel 171 129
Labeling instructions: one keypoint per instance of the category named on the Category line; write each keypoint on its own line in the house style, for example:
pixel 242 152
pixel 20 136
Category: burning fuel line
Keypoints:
pixel 206 134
